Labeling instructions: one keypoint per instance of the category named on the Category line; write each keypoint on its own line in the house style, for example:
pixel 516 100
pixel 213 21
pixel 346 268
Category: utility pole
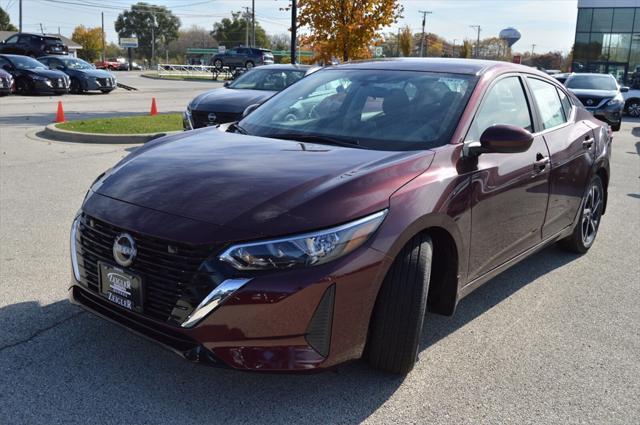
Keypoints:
pixel 424 19
pixel 104 59
pixel 533 46
pixel 20 8
pixel 477 28
pixel 294 19
pixel 246 26
pixel 41 30
pixel 153 40
pixel 398 42
pixel 253 23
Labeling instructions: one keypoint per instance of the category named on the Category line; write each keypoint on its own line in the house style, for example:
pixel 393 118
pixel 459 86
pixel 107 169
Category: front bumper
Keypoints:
pixel 99 84
pixel 287 321
pixel 42 87
pixel 610 114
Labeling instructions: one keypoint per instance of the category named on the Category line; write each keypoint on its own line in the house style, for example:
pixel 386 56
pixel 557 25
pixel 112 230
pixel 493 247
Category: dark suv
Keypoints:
pixel 243 57
pixel 34 45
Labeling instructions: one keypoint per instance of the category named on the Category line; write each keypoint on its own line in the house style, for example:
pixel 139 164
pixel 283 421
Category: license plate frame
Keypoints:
pixel 121 287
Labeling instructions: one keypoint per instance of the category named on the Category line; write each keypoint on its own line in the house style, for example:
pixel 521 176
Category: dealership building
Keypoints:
pixel 608 37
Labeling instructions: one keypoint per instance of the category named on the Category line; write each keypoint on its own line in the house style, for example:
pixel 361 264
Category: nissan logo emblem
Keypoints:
pixel 589 101
pixel 124 249
pixel 211 117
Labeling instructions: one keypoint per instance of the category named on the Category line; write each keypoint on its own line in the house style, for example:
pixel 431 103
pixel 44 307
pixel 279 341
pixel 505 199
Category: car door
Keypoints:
pixel 571 147
pixel 10 45
pixel 24 45
pixel 231 57
pixel 509 191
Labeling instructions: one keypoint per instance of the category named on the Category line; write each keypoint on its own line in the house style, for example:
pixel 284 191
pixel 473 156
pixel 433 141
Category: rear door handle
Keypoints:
pixel 541 162
pixel 587 143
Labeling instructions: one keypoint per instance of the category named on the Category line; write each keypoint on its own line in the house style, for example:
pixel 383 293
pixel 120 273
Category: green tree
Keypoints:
pixel 5 22
pixel 143 20
pixel 466 49
pixel 91 41
pixel 406 41
pixel 233 32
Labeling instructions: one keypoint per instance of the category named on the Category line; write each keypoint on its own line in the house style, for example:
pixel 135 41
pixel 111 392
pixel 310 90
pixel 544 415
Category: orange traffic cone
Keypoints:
pixel 154 108
pixel 60 113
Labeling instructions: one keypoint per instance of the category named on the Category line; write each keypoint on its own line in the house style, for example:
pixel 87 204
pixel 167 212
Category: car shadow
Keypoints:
pixel 635 131
pixel 85 367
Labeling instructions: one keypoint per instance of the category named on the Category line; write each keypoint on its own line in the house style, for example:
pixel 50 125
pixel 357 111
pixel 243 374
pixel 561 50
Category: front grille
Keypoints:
pixel 104 82
pixel 590 101
pixel 169 271
pixel 201 118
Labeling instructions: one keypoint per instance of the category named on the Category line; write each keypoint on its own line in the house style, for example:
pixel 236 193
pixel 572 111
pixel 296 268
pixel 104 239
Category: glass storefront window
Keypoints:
pixel 602 20
pixel 634 58
pixel 581 48
pixel 636 25
pixel 584 20
pixel 619 46
pixel 598 46
pixel 623 20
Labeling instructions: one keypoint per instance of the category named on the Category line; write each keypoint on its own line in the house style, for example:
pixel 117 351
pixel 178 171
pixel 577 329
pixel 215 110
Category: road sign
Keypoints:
pixel 131 42
pixel 378 51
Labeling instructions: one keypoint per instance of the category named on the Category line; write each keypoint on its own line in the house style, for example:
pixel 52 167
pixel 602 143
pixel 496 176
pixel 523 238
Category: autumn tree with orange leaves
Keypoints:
pixel 345 28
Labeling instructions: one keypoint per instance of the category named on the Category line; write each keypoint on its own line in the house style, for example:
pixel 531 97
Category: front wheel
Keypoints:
pixel 75 87
pixel 105 91
pixel 249 65
pixel 586 229
pixel 217 63
pixel 23 87
pixel 633 108
pixel 398 315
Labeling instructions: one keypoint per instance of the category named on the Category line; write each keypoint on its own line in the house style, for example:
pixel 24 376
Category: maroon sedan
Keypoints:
pixel 323 225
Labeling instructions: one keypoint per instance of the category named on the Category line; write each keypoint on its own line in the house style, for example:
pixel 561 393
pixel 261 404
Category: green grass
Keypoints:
pixel 126 125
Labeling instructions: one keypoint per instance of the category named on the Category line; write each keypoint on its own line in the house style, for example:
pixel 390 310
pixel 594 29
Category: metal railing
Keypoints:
pixel 226 73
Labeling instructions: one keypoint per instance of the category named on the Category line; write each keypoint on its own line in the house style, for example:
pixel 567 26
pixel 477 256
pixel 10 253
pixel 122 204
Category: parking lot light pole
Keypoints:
pixel 293 30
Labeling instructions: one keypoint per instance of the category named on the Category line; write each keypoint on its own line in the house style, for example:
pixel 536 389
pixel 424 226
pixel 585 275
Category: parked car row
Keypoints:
pixel 321 225
pixel 116 64
pixel 54 74
pixel 33 45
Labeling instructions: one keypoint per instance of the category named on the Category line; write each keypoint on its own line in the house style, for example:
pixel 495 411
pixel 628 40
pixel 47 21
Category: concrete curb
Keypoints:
pixel 51 132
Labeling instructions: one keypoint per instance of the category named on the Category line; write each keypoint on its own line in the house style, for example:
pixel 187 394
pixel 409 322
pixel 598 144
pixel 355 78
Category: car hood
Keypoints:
pixel 228 100
pixel 96 73
pixel 267 186
pixel 601 94
pixel 49 73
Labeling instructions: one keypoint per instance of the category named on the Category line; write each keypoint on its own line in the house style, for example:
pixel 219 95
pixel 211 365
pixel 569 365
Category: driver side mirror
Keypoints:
pixel 501 138
pixel 624 89
pixel 249 109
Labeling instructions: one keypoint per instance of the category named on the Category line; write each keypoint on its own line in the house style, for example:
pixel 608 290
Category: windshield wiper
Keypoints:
pixel 314 138
pixel 237 129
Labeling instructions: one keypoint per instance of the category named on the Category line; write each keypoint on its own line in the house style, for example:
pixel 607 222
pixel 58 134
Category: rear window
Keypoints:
pixel 52 41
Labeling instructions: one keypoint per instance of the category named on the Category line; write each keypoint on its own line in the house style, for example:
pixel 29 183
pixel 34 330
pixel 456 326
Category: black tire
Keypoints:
pixel 218 64
pixel 23 87
pixel 633 108
pixel 75 86
pixel 616 126
pixel 398 315
pixel 106 91
pixel 584 233
pixel 249 64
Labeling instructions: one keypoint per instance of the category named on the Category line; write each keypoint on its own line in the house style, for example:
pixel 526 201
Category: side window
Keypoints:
pixel 505 103
pixel 55 64
pixel 45 62
pixel 549 105
pixel 25 39
pixel 11 40
pixel 566 103
pixel 231 52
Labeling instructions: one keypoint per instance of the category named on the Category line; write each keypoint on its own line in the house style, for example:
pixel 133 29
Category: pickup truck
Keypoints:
pixel 109 64
pixel 632 102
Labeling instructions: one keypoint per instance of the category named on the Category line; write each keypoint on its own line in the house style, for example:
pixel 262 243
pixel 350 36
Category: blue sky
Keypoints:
pixel 550 24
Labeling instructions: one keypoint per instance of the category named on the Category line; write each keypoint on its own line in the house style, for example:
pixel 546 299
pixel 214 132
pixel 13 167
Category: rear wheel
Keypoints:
pixel 398 315
pixel 586 229
pixel 249 64
pixel 218 64
pixel 616 126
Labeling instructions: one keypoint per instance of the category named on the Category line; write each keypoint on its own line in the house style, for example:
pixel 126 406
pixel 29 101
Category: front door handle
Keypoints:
pixel 587 143
pixel 541 162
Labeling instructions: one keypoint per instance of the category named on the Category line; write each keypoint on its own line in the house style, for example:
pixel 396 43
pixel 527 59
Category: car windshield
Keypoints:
pixel 267 79
pixel 592 82
pixel 75 63
pixel 369 109
pixel 24 62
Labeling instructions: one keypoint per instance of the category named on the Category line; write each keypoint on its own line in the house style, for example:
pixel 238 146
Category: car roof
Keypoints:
pixel 284 66
pixel 592 74
pixel 446 65
pixel 56 57
pixel 38 35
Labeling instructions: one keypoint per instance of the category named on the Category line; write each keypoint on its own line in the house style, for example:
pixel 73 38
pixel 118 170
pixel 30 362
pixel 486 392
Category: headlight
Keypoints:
pixel 305 250
pixel 616 101
pixel 73 248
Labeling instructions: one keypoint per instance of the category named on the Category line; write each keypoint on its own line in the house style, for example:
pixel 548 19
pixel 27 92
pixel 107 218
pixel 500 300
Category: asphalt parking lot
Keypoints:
pixel 556 339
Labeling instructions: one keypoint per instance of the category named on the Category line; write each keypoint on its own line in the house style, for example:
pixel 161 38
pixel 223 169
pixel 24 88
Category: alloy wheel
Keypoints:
pixel 591 215
pixel 634 109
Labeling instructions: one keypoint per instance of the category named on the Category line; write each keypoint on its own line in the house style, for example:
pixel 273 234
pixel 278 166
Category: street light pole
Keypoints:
pixel 294 37
pixel 104 53
pixel 253 23
pixel 477 28
pixel 20 8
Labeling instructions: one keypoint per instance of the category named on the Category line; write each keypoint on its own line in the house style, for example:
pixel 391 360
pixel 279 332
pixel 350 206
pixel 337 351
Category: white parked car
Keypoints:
pixel 632 102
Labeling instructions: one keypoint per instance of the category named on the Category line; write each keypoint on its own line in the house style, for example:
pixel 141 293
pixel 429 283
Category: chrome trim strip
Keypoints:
pixel 72 245
pixel 218 296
